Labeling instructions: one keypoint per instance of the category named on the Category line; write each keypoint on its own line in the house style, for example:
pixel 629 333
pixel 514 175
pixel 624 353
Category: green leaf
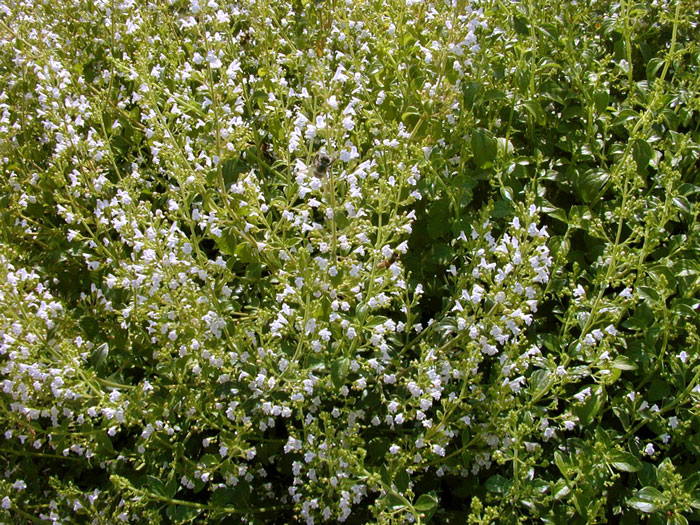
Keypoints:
pixel 650 295
pixel 677 519
pixel 401 480
pixel 385 475
pixel 394 502
pixel 209 460
pixel 227 243
pixel 441 253
pixel 98 358
pixel 535 109
pixel 624 116
pixel 231 169
pixel 682 204
pixel 507 193
pixel 484 147
pixel 622 362
pixel 625 461
pixel 104 443
pixel 560 247
pixel 157 486
pixel 410 118
pixel 426 504
pixel 684 307
pixel 601 99
pixel 572 111
pixel 642 153
pixel 580 217
pixel 658 389
pixel 465 182
pixel 501 209
pixel 494 94
pixel 171 487
pixel 339 371
pixel 560 490
pixel 641 320
pixel 591 406
pixel 653 67
pixel 540 381
pixel 591 183
pixel 559 214
pixel 181 513
pixel 222 497
pixel 244 252
pixel 378 447
pixel 241 495
pixel 439 218
pixel 647 500
pixel 521 26
pixel 497 484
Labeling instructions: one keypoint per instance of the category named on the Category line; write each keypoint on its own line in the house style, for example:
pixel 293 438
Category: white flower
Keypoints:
pixel 19 485
pixel 649 449
pixel 583 394
pixel 477 294
pixel 214 60
pixel 310 327
pixel 348 123
pixel 440 451
pixel 340 75
pixel 394 449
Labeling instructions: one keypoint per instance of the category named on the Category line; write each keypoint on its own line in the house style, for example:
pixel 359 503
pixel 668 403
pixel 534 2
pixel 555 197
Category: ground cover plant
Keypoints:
pixel 366 261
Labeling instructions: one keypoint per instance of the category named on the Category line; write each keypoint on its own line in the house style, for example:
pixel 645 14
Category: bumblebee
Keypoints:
pixel 321 164
pixel 388 262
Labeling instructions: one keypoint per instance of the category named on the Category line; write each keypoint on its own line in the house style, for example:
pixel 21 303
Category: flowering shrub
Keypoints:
pixel 383 261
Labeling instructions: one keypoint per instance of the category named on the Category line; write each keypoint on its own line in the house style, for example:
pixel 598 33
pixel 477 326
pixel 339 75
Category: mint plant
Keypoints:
pixel 389 261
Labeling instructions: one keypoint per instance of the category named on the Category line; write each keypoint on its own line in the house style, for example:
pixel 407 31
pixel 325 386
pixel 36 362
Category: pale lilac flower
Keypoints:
pixel 19 485
pixel 214 60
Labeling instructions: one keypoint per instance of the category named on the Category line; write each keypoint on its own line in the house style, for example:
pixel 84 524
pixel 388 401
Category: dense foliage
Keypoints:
pixel 362 261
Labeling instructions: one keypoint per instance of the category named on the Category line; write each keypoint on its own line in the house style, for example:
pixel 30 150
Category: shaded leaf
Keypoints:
pixel 339 371
pixel 426 504
pixel 625 461
pixel 484 147
pixel 497 484
pixel 181 513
